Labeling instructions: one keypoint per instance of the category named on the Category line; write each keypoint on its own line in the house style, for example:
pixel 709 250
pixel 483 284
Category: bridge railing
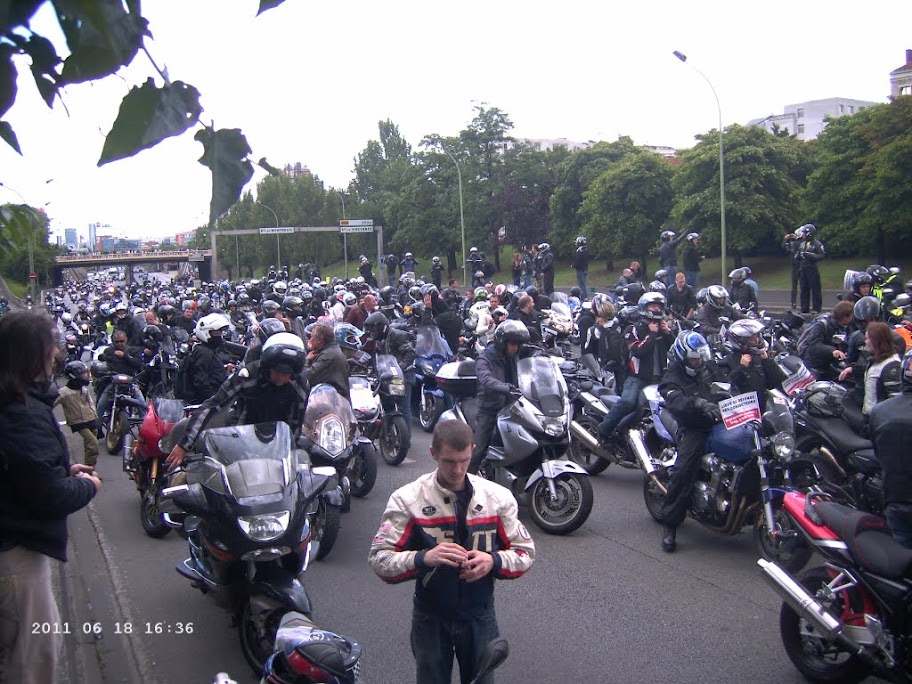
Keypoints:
pixel 119 257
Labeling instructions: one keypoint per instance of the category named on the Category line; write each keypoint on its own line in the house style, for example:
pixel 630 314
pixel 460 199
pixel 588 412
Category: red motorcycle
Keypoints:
pixel 144 460
pixel 851 617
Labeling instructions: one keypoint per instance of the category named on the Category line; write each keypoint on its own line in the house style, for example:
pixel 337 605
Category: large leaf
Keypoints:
pixel 148 115
pixel 268 5
pixel 7 79
pixel 225 154
pixel 102 36
pixel 44 66
pixel 7 134
pixel 16 13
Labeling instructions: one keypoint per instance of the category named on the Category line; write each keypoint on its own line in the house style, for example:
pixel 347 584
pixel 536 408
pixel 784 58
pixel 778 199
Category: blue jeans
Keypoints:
pixel 581 281
pixel 899 520
pixel 527 281
pixel 405 403
pixel 630 396
pixel 436 639
pixel 107 398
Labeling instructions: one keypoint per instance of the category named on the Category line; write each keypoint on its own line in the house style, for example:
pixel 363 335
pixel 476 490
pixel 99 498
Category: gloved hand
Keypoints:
pixel 515 391
pixel 708 409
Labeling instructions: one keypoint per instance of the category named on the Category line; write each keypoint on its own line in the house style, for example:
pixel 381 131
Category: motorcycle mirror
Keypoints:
pixel 839 297
pixel 188 498
pixel 493 655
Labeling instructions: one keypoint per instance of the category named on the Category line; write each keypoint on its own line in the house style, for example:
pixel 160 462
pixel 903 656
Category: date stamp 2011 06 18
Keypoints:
pixel 96 628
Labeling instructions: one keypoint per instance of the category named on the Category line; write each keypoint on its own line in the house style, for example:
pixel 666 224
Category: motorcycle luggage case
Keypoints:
pixel 458 378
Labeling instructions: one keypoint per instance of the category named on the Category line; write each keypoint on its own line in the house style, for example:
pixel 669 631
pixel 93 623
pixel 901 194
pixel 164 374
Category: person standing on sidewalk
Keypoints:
pixel 581 264
pixel 79 409
pixel 38 490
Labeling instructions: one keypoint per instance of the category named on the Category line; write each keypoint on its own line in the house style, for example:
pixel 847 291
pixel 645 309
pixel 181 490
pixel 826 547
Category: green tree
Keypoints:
pixel 625 207
pixel 24 232
pixel 761 188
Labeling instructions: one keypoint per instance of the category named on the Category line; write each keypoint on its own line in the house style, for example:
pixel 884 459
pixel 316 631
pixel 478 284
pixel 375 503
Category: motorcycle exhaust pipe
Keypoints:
pixel 806 605
pixel 591 442
pixel 638 444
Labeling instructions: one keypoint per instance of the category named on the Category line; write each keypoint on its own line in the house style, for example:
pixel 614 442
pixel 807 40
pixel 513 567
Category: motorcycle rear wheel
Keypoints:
pixel 581 454
pixel 324 527
pixel 571 508
pixel 394 441
pixel 363 474
pixel 792 552
pixel 810 653
pixel 653 496
pixel 428 415
pixel 114 437
pixel 257 645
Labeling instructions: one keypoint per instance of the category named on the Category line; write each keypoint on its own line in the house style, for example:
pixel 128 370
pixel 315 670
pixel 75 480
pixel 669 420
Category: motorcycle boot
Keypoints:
pixel 668 538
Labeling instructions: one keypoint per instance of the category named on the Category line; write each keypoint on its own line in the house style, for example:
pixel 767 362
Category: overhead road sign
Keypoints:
pixel 273 231
pixel 356 229
pixel 356 222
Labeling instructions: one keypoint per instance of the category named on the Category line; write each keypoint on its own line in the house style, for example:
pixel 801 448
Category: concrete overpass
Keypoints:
pixel 201 258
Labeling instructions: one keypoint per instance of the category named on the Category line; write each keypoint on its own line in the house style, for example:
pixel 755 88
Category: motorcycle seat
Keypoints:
pixel 868 538
pixel 842 435
pixel 671 425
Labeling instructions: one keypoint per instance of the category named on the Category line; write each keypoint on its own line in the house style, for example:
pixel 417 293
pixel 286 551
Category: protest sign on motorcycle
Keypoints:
pixel 798 380
pixel 740 409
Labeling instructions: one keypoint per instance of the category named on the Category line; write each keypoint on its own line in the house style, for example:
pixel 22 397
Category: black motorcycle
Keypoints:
pixel 376 389
pixel 246 501
pixel 431 352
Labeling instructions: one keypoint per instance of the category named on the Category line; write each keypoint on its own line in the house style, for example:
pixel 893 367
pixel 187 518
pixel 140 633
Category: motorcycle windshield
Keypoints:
pixel 541 383
pixel 777 419
pixel 431 343
pixel 560 310
pixel 388 362
pixel 248 460
pixel 590 363
pixel 169 410
pixel 328 419
pixel 560 298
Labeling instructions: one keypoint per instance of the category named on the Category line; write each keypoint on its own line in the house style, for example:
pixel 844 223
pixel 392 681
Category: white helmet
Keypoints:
pixel 207 324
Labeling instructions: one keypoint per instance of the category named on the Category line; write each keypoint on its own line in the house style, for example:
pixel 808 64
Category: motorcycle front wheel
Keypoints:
pixel 789 549
pixel 161 391
pixel 363 472
pixel 814 657
pixel 394 441
pixel 151 518
pixel 581 454
pixel 430 412
pixel 653 495
pixel 257 643
pixel 114 438
pixel 569 510
pixel 324 527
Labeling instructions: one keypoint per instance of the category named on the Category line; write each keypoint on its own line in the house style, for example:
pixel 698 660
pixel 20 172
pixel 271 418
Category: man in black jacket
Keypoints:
pixel 687 393
pixel 495 369
pixel 815 345
pixel 890 426
pixel 325 361
pixel 206 367
pixel 547 267
pixel 581 264
pixel 526 314
pixel 389 340
pixel 682 301
pixel 692 257
pixel 808 253
pixel 120 361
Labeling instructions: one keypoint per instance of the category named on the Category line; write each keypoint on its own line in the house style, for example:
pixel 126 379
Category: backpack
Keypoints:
pixel 804 340
pixel 182 382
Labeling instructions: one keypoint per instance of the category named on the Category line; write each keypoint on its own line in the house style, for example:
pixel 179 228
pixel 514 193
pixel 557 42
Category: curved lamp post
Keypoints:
pixel 683 58
pixel 465 282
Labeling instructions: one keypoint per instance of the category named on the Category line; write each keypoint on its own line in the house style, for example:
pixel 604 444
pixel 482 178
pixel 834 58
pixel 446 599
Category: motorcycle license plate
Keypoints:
pixel 362 398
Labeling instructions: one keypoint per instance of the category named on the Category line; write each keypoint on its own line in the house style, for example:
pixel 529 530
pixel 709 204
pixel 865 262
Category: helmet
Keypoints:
pixel 415 293
pixel 408 255
pixel 658 286
pixel 243 299
pixel 860 279
pixel 165 311
pixel 667 235
pixel 510 331
pixel 651 299
pixel 204 303
pixel 867 308
pixel 67 318
pixel 581 241
pixel 481 294
pixel 878 273
pixel 479 274
pixel 907 371
pixel 532 291
pixel 74 369
pixel 473 250
pixel 809 230
pixel 386 294
pixel 661 274
pixel 285 353
pixel 407 279
pixel 230 303
pixel 121 308
pixel 270 307
pixel 187 304
pixel 362 257
pixel 544 247
pixel 691 345
pixel 429 289
pixel 716 296
pixel 501 291
pixel 435 260
pixel 745 336
pixel 320 656
pixel 628 315
pixel 739 275
pixel 293 306
pixel 209 324
pixel 348 336
pixel 576 291
pixel 100 370
pixel 693 237
pixel 269 327
pixel 280 287
pixel 602 306
pixel 376 323
pixel 152 333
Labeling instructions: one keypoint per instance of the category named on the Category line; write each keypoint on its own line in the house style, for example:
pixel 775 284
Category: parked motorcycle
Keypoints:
pixel 526 453
pixel 126 412
pixel 849 618
pixel 374 391
pixel 328 437
pixel 143 460
pixel 431 352
pixel 246 499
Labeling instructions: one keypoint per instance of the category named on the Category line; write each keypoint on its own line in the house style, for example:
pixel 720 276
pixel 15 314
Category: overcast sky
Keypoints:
pixel 307 82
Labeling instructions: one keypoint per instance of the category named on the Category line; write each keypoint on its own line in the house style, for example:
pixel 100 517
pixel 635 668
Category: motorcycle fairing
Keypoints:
pixel 279 585
pixel 552 470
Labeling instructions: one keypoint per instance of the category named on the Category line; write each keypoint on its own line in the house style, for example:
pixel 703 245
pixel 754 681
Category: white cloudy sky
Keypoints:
pixel 308 81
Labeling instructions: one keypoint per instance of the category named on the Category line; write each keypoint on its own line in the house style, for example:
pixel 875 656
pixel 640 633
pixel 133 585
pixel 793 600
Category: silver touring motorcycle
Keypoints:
pixel 527 451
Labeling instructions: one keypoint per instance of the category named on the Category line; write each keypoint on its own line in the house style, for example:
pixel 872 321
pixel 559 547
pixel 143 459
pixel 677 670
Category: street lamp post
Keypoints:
pixel 465 282
pixel 278 244
pixel 683 58
pixel 345 238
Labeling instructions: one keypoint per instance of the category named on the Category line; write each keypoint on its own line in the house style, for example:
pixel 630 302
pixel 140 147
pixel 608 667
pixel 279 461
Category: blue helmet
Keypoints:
pixel 689 346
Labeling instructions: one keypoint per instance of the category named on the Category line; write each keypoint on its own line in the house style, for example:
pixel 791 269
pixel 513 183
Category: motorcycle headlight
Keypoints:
pixel 554 427
pixel 332 436
pixel 783 446
pixel 164 444
pixel 264 527
pixel 397 387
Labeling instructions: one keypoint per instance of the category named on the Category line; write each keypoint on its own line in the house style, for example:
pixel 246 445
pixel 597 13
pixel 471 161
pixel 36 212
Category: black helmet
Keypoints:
pixel 667 235
pixel 269 327
pixel 386 294
pixel 376 323
pixel 576 291
pixel 860 279
pixel 165 311
pixel 293 306
pixel 532 291
pixel 661 274
pixel 651 299
pixel 867 308
pixel 270 307
pixel 285 353
pixel 878 273
pixel 510 331
pixel 809 230
pixel 74 369
pixel 152 333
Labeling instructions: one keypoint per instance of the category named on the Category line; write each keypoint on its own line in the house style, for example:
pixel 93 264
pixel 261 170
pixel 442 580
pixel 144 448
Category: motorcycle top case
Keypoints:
pixel 458 378
pixel 733 445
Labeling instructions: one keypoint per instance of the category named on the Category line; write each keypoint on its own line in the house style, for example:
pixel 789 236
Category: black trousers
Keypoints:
pixel 794 298
pixel 548 281
pixel 687 466
pixel 484 429
pixel 810 289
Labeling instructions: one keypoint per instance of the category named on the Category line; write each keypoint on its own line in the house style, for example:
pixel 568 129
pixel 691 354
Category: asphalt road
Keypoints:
pixel 604 604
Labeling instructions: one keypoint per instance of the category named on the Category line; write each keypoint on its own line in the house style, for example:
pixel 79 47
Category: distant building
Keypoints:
pixel 92 239
pixel 184 239
pixel 805 120
pixel 550 143
pixel 71 238
pixel 901 78
pixel 295 170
